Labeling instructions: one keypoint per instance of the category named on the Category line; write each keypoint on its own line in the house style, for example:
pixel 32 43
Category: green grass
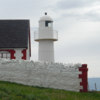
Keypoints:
pixel 12 91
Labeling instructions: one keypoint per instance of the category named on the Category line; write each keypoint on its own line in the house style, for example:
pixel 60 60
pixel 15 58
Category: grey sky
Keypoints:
pixel 77 23
pixel 69 4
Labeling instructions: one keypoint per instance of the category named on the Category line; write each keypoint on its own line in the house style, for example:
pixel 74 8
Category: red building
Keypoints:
pixel 15 39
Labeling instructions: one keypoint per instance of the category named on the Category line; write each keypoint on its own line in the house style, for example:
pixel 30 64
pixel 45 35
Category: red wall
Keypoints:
pixel 84 78
pixel 24 54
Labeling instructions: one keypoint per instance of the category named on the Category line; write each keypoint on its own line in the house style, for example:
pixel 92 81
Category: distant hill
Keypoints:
pixel 92 82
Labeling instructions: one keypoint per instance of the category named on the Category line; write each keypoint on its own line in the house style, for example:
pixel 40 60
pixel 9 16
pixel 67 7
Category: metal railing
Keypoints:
pixel 54 36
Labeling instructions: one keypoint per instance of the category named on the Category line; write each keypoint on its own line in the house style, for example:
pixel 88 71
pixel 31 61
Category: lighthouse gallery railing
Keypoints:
pixel 54 36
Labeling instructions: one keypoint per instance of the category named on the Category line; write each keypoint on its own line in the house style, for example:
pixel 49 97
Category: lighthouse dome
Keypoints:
pixel 46 18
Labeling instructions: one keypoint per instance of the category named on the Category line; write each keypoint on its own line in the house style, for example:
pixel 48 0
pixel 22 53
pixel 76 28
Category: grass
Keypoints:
pixel 13 91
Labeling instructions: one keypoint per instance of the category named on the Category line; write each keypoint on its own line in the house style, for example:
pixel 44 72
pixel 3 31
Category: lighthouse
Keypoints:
pixel 46 37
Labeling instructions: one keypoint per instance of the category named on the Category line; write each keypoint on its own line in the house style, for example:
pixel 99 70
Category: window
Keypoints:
pixel 4 54
pixel 48 23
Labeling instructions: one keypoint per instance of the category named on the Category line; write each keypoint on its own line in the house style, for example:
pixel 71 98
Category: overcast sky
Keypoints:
pixel 77 23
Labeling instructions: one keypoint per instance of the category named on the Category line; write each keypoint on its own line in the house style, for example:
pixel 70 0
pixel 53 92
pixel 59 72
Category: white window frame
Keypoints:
pixel 5 54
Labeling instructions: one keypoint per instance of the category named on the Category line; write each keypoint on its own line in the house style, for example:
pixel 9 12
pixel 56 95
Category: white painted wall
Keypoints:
pixel 18 53
pixel 46 50
pixel 31 73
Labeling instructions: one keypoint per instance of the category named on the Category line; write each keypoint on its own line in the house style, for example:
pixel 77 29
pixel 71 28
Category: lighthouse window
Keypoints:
pixel 48 23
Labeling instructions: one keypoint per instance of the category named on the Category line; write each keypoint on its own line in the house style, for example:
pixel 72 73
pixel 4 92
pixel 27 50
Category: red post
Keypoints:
pixel 84 78
pixel 24 54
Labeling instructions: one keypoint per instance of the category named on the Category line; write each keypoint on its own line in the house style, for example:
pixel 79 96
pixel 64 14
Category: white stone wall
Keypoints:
pixel 48 75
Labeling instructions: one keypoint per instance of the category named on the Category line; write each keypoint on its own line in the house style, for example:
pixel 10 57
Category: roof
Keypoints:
pixel 14 33
pixel 46 18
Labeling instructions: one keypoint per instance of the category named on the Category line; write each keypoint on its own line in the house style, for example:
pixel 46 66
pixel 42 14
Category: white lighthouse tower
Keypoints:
pixel 46 37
